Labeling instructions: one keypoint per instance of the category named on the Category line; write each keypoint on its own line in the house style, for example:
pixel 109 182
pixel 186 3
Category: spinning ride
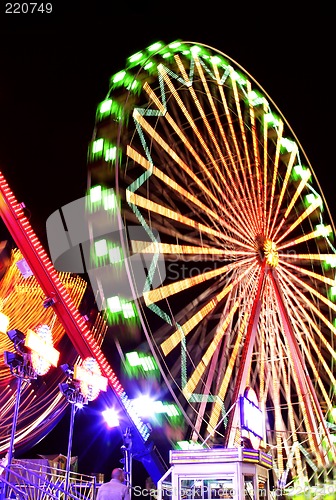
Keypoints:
pixel 205 164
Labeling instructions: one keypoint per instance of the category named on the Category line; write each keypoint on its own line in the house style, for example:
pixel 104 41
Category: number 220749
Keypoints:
pixel 28 8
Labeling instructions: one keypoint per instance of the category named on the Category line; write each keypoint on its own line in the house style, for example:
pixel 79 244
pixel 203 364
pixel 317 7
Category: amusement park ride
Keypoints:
pixel 205 227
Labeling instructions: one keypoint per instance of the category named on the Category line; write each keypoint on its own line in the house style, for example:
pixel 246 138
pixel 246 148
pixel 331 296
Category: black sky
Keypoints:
pixel 55 70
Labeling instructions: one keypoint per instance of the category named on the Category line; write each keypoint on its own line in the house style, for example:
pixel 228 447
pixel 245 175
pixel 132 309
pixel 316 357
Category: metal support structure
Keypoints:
pixel 12 438
pixel 71 391
pixel 21 372
pixel 246 358
pixel 126 449
pixel 74 408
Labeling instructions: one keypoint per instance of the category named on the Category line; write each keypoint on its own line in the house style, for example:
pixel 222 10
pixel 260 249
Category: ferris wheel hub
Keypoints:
pixel 267 250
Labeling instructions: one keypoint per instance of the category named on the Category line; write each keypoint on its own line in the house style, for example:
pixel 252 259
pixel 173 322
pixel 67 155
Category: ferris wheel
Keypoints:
pixel 203 162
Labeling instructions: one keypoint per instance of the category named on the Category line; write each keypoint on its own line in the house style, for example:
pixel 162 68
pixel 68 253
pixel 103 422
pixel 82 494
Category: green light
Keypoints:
pixel 135 86
pixel 147 363
pixel 133 358
pixel 256 99
pixel 128 310
pixel 118 77
pixel 102 149
pixel 95 194
pixel 115 254
pixel 100 248
pixel 109 199
pixel 155 47
pixel 140 365
pixel 333 414
pixel 301 172
pixel 98 146
pixel 215 60
pixel 195 49
pixel 172 410
pixel 114 305
pixel 119 308
pixel 332 292
pixel 111 154
pixel 329 261
pixel 174 45
pixel 159 407
pixel 105 106
pixel 288 145
pixel 323 230
pixel 188 445
pixel 312 198
pixel 136 57
pixel 271 120
pixel 239 78
pixel 149 65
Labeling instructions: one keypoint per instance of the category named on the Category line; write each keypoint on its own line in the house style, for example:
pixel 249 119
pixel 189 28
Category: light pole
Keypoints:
pixel 71 390
pixel 126 449
pixel 84 384
pixel 20 366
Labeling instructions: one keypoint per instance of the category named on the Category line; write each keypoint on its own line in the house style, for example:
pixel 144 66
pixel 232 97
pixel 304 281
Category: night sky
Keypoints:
pixel 55 70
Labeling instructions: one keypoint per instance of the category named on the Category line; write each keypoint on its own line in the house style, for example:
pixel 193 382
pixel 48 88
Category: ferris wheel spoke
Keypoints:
pixel 179 161
pixel 184 250
pixel 309 236
pixel 305 317
pixel 324 258
pixel 190 386
pixel 307 416
pixel 242 128
pixel 247 195
pixel 275 161
pixel 305 272
pixel 290 164
pixel 139 201
pixel 205 147
pixel 185 140
pixel 186 194
pixel 163 292
pixel 302 285
pixel 278 425
pixel 237 182
pixel 315 204
pixel 257 187
pixel 318 359
pixel 216 411
pixel 184 330
pixel 233 137
pixel 291 421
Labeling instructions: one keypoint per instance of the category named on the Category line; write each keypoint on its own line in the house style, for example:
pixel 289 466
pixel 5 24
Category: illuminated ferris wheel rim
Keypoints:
pixel 255 258
pixel 263 92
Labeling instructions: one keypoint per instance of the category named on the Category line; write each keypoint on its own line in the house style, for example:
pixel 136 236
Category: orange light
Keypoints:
pixel 4 322
pixel 44 350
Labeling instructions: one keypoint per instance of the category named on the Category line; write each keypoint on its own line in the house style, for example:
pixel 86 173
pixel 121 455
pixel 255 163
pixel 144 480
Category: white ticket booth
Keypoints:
pixel 231 473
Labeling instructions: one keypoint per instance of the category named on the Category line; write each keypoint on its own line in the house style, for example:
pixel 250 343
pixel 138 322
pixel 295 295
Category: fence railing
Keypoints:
pixel 30 482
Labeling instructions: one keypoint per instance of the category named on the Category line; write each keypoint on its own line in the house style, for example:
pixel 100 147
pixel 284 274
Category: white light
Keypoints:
pixel 144 406
pixel 100 248
pixel 111 417
pixel 113 303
